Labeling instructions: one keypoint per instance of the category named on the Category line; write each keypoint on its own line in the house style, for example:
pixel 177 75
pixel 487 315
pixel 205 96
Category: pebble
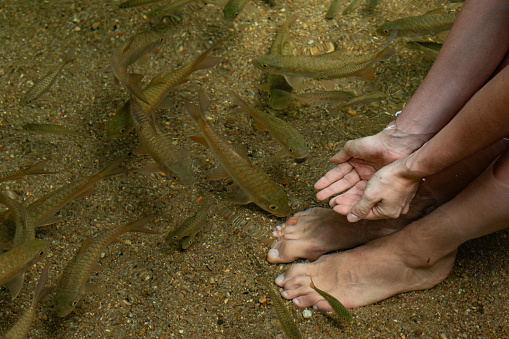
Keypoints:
pixel 307 314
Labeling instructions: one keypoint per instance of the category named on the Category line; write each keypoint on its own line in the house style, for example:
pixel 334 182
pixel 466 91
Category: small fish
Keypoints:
pixel 168 8
pixel 52 129
pixel 43 85
pixel 291 139
pixel 73 282
pixel 334 98
pixel 430 23
pixel 333 9
pixel 121 124
pixel 187 231
pixel 137 46
pixel 171 160
pixel 44 208
pixel 362 100
pixel 255 185
pixel 336 305
pixel 137 3
pixel 15 262
pixel 322 67
pixel 428 47
pixel 37 168
pixel 233 8
pixel 283 314
pixel 25 223
pixel 22 326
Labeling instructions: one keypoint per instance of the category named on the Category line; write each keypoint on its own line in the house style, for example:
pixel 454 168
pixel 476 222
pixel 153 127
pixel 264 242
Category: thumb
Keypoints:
pixel 360 210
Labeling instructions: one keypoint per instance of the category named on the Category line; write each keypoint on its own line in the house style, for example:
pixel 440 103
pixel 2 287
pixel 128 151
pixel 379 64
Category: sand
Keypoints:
pixel 211 290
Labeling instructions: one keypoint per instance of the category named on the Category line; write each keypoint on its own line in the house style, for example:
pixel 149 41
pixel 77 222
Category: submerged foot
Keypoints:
pixel 363 275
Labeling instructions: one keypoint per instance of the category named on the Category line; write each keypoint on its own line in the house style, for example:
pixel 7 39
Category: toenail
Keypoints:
pixel 274 234
pixel 278 227
pixel 280 279
pixel 284 294
pixel 315 307
pixel 273 253
pixel 296 301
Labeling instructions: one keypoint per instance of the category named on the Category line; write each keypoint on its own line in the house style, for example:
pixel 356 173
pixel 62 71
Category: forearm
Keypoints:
pixel 483 121
pixel 476 45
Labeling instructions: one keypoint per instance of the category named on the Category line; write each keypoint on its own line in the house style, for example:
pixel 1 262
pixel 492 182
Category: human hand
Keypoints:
pixel 386 195
pixel 361 158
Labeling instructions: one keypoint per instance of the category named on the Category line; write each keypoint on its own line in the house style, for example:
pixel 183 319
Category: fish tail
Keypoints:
pixel 384 54
pixel 133 85
pixel 70 56
pixel 239 101
pixel 278 96
pixel 205 61
pixel 138 225
pixel 194 111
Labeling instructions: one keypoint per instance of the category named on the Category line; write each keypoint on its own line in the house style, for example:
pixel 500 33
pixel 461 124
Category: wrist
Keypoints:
pixel 406 142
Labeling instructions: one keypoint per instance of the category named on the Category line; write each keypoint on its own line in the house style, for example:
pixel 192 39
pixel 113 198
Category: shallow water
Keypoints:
pixel 210 290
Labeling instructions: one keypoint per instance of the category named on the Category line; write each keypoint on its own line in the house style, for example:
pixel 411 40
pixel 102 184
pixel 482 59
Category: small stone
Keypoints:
pixel 307 314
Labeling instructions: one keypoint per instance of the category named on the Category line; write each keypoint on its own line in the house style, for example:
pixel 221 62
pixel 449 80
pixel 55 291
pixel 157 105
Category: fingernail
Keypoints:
pixel 274 234
pixel 352 217
pixel 296 301
pixel 280 279
pixel 284 294
pixel 273 253
pixel 278 227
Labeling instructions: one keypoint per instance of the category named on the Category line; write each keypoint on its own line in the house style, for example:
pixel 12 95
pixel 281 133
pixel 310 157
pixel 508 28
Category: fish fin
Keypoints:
pixel 199 139
pixel 49 221
pixel 166 103
pixel 240 197
pixel 217 174
pixel 83 247
pixel 384 54
pixel 157 79
pixel 250 9
pixel 40 291
pixel 273 143
pixel 113 168
pixel 133 85
pixel 140 150
pixel 443 35
pixel 260 126
pixel 328 84
pixel 279 99
pixel 241 151
pixel 92 288
pixel 38 168
pixel 204 101
pixel 337 54
pixel 263 87
pixel 152 167
pixel 296 82
pixel 97 267
pixel 435 11
pixel 194 111
pixel 205 61
pixel 143 60
pixel 366 74
pixel 239 101
pixel 138 225
pixel 70 56
pixel 14 286
pixel 85 193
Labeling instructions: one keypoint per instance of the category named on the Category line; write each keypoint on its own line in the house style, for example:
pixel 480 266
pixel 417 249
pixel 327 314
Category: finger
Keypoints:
pixel 333 175
pixel 347 182
pixel 341 156
pixel 362 208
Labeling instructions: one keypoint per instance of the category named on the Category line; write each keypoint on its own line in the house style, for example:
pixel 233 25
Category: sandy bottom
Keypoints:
pixel 211 290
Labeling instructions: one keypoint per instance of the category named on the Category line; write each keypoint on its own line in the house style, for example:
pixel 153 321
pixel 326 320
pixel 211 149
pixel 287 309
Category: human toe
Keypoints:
pixel 286 251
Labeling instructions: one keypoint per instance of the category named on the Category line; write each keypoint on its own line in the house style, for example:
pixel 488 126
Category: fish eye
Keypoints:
pixel 265 65
pixel 272 207
pixel 291 150
pixel 73 303
pixel 122 130
pixel 41 252
pixel 386 31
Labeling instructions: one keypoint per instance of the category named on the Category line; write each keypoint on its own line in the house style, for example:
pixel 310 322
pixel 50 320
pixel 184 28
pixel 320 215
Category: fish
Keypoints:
pixel 137 3
pixel 336 305
pixel 282 312
pixel 137 46
pixel 334 98
pixel 280 47
pixel 37 168
pixel 73 282
pixel 428 47
pixel 168 8
pixel 44 208
pixel 233 8
pixel 324 66
pixel 362 100
pixel 433 22
pixel 24 220
pixel 15 262
pixel 284 133
pixel 333 9
pixel 43 85
pixel 52 129
pixel 170 159
pixel 255 185
pixel 22 326
pixel 121 123
pixel 187 231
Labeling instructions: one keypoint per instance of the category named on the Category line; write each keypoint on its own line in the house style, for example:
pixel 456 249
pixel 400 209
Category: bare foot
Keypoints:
pixel 363 275
pixel 317 231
